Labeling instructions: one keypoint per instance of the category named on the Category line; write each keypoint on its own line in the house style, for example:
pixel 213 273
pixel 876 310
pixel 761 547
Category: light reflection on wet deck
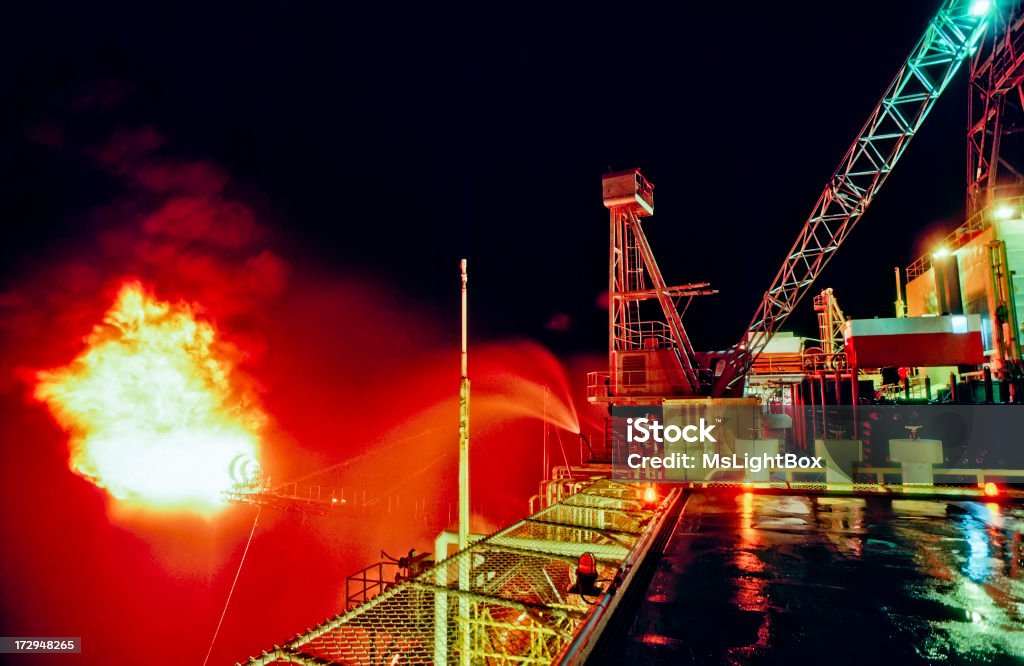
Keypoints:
pixel 751 579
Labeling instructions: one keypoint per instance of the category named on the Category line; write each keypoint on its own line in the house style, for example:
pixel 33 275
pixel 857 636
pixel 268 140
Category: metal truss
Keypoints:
pixel 632 265
pixel 951 36
pixel 996 112
pixel 285 497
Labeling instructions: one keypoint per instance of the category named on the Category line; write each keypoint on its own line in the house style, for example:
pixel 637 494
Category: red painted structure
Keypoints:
pixel 914 341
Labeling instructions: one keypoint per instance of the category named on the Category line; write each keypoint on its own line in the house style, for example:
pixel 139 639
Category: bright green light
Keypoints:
pixel 940 253
pixel 1004 212
pixel 979 7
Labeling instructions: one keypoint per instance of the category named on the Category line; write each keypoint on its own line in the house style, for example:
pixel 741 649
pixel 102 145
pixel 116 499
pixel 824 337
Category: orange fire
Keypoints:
pixel 155 407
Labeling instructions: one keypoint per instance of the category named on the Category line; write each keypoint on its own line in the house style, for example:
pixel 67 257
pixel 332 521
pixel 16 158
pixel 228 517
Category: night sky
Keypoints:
pixel 312 175
pixel 388 141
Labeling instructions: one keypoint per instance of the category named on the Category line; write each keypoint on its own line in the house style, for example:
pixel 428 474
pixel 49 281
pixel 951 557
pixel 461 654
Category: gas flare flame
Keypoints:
pixel 157 411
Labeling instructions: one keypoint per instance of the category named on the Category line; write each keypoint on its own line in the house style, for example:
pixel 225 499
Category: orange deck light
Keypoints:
pixel 586 577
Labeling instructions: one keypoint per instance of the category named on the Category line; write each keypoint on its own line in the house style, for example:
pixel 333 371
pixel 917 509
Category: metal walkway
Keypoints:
pixel 505 598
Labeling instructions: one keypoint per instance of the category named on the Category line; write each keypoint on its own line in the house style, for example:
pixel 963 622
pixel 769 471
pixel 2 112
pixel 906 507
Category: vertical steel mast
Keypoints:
pixel 464 424
pixel 464 572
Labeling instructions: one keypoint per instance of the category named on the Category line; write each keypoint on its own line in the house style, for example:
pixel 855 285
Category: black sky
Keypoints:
pixel 389 140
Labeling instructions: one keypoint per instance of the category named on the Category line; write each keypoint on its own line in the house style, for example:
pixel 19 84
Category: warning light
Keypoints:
pixel 587 564
pixel 586 577
pixel 991 489
pixel 650 495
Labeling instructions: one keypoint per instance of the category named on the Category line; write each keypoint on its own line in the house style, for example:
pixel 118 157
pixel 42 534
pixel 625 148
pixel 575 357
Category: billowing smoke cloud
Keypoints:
pixel 345 368
pixel 177 226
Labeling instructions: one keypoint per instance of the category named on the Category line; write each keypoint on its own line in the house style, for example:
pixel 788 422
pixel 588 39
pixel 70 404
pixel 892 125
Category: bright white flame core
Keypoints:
pixel 153 407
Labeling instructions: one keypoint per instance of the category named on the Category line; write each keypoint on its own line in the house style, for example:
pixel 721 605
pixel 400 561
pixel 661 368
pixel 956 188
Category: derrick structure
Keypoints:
pixel 649 352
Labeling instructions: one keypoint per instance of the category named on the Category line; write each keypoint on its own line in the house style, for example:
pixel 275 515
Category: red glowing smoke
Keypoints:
pixel 351 376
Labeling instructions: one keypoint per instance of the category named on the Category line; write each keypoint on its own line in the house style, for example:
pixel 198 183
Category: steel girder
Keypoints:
pixel 996 110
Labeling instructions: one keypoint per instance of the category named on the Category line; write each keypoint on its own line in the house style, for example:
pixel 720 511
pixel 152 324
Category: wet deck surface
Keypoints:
pixel 749 579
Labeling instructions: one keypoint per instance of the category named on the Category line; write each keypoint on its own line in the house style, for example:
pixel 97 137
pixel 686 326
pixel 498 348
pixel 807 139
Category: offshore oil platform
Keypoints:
pixel 552 587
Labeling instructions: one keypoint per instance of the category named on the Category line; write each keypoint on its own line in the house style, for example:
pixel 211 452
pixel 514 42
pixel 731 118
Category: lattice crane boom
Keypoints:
pixel 951 36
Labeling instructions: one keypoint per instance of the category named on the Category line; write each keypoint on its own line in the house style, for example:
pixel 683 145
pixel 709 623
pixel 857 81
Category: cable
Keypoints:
pixel 232 590
pixel 404 479
pixel 365 454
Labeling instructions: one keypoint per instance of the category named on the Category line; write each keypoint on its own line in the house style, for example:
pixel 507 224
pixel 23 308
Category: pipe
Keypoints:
pixel 824 414
pixel 811 388
pixel 901 309
pixel 855 399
